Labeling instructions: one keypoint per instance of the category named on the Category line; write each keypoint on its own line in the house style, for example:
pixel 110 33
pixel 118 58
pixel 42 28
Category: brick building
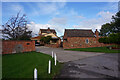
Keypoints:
pixel 80 38
pixel 54 42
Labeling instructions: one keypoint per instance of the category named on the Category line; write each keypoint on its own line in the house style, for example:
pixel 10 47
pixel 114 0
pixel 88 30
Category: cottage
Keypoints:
pixel 80 38
pixel 55 41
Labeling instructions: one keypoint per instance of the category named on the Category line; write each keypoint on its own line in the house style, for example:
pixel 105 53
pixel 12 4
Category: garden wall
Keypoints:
pixel 52 45
pixel 10 47
pixel 56 45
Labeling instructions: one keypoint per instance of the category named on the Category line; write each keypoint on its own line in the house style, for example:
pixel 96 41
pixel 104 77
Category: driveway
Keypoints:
pixel 102 67
pixel 85 65
pixel 66 56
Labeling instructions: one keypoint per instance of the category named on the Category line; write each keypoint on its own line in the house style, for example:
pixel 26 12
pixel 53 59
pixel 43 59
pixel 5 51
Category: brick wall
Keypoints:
pixel 57 45
pixel 9 47
pixel 79 42
pixel 52 45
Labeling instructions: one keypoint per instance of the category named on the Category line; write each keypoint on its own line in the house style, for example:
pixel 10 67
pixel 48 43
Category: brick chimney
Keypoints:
pixel 48 29
pixel 97 33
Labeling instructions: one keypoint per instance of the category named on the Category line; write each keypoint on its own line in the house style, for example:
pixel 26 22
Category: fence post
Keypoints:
pixel 35 74
pixel 55 59
pixel 49 67
pixel 52 54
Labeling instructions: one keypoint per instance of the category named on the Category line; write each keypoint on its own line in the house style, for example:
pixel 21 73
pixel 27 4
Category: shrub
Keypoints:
pixel 46 39
pixel 104 40
pixel 112 38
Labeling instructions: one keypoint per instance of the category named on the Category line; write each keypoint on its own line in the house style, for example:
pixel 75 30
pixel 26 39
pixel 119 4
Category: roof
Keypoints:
pixel 78 33
pixel 46 30
pixel 38 37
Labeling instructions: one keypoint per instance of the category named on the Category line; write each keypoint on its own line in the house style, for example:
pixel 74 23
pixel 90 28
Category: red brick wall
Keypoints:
pixel 57 45
pixel 79 42
pixel 52 45
pixel 8 46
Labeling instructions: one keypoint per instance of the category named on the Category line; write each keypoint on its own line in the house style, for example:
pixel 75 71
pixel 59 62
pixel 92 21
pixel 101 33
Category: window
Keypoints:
pixel 28 43
pixel 86 41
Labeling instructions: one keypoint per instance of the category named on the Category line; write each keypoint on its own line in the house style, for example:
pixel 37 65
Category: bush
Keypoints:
pixel 112 38
pixel 46 39
pixel 104 40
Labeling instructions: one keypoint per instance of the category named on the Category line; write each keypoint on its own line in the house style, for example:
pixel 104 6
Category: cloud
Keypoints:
pixel 12 9
pixel 59 21
pixel 95 23
pixel 17 8
pixel 36 27
pixel 80 17
pixel 48 8
pixel 106 16
pixel 111 6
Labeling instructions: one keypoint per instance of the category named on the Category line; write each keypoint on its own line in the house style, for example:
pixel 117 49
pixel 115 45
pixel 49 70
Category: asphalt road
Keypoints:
pixel 102 67
pixel 66 56
pixel 85 65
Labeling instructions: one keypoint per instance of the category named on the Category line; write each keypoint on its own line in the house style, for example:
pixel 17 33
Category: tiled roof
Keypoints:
pixel 78 33
pixel 46 30
pixel 38 37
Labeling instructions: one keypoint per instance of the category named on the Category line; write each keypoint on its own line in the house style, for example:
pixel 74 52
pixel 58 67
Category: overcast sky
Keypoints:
pixel 61 15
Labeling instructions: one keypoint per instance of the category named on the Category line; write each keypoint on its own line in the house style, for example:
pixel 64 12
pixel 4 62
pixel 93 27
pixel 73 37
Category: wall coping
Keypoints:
pixel 19 40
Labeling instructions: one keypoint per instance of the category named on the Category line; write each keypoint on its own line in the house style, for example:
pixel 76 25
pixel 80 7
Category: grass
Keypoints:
pixel 22 65
pixel 96 49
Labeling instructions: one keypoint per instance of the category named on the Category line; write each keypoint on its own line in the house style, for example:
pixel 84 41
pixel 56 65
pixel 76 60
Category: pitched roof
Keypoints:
pixel 46 30
pixel 78 33
pixel 38 37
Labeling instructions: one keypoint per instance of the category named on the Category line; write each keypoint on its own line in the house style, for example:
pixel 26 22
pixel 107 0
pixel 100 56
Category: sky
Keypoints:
pixel 61 15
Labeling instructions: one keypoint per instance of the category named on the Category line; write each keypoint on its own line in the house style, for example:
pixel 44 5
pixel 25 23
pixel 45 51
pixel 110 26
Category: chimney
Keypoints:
pixel 48 29
pixel 97 33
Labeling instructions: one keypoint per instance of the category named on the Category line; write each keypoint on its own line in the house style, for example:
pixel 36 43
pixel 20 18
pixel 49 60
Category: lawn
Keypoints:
pixel 22 65
pixel 96 49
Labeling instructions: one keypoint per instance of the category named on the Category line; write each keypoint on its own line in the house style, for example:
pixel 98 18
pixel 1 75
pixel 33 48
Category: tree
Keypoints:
pixel 105 29
pixel 104 40
pixel 112 38
pixel 112 27
pixel 16 28
pixel 116 23
pixel 46 40
pixel 111 31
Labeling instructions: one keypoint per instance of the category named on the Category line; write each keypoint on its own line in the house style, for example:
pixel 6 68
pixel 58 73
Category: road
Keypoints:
pixel 79 65
pixel 66 56
pixel 102 67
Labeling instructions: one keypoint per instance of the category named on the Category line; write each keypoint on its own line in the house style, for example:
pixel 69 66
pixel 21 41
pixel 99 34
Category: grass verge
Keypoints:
pixel 22 65
pixel 96 49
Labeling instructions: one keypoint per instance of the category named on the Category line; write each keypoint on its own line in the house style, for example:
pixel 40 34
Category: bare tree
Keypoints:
pixel 16 28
